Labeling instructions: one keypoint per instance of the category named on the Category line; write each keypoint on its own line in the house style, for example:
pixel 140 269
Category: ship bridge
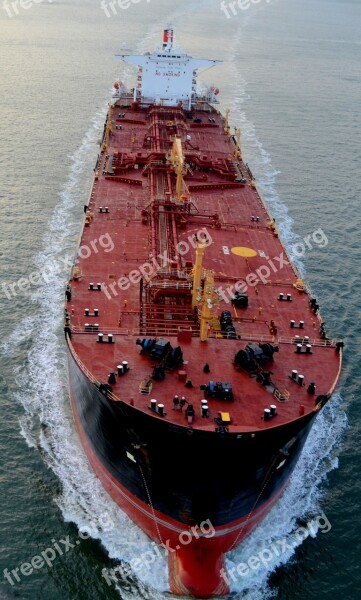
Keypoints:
pixel 167 76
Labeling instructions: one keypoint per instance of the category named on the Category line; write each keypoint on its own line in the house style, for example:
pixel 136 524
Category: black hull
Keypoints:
pixel 187 475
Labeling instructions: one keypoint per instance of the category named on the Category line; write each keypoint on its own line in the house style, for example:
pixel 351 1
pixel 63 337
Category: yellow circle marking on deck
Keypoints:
pixel 243 251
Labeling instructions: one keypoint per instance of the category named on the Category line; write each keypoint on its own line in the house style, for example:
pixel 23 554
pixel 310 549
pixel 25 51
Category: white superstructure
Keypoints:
pixel 167 76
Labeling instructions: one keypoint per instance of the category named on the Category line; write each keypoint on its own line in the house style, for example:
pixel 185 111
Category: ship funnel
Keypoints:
pixel 167 39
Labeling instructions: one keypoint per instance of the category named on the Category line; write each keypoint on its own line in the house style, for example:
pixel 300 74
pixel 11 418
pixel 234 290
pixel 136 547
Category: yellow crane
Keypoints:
pixel 226 121
pixel 207 300
pixel 210 302
pixel 177 160
pixel 108 128
pixel 237 150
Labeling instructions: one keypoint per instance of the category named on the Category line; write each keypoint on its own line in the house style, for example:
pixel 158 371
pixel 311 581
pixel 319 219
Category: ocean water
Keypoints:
pixel 292 79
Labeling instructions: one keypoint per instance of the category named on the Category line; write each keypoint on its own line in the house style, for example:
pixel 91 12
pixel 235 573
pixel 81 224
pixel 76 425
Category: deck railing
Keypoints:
pixel 173 331
pixel 86 371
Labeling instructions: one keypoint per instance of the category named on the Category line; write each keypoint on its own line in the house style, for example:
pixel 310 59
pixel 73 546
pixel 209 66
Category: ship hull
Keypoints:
pixel 172 480
pixel 195 347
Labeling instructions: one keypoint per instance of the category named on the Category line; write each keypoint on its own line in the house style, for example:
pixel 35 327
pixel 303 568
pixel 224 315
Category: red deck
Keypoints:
pixel 145 217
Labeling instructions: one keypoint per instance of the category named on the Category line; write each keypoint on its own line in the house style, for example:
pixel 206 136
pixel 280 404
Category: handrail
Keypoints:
pixel 86 371
pixel 80 364
pixel 215 334
pixel 314 342
pixel 333 386
pixel 173 284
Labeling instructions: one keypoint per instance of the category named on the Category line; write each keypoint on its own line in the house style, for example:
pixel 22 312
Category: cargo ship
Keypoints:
pixel 198 358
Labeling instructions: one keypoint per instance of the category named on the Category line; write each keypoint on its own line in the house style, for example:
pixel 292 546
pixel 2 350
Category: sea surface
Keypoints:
pixel 291 77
